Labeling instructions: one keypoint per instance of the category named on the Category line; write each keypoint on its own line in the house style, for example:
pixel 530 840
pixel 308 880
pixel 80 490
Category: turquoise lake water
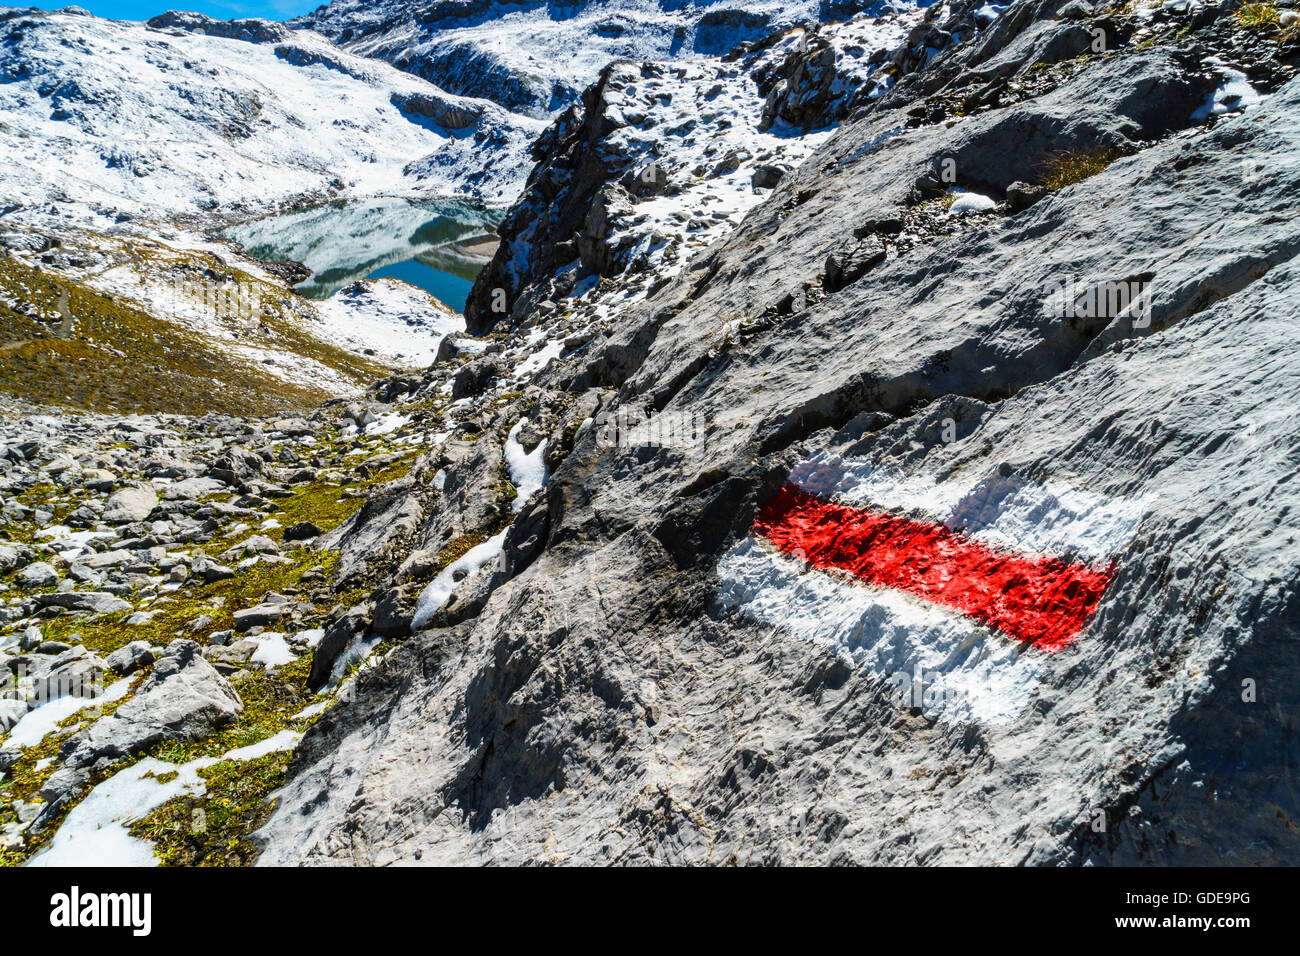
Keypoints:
pixel 437 246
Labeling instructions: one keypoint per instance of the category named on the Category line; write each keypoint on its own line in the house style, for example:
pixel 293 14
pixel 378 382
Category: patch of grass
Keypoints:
pixel 394 470
pixel 1256 15
pixel 23 780
pixel 321 502
pixel 1067 167
pixel 504 490
pixel 213 829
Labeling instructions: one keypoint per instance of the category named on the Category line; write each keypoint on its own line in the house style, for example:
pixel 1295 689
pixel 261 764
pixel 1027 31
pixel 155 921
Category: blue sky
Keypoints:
pixel 144 9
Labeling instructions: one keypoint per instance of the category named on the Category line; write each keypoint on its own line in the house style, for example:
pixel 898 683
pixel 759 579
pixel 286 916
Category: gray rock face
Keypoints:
pixel 128 659
pixel 183 699
pixel 97 602
pixel 31 639
pixel 71 672
pixel 39 574
pixel 260 616
pixel 391 512
pixel 133 503
pixel 632 695
pixel 576 198
pixel 446 112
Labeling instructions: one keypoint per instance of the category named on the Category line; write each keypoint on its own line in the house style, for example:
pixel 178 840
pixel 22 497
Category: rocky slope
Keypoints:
pixel 162 599
pixel 635 679
pixel 931 503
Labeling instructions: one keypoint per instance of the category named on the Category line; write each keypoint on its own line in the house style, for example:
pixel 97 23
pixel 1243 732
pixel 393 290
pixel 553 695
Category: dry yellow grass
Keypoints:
pixel 1067 167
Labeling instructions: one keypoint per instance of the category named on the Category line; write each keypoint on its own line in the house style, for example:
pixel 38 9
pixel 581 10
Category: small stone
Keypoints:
pixel 97 602
pixel 301 531
pixel 38 574
pixel 133 503
pixel 84 575
pixel 210 571
pixel 260 616
pixel 768 175
pixel 97 479
pixel 128 659
pixel 1021 196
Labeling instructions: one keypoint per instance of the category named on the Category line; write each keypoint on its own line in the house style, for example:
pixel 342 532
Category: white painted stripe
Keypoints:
pixel 1010 512
pixel 977 675
pixel 1049 519
pixel 860 483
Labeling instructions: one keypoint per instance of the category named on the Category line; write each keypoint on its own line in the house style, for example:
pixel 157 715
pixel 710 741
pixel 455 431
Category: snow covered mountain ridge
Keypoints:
pixel 535 58
pixel 186 115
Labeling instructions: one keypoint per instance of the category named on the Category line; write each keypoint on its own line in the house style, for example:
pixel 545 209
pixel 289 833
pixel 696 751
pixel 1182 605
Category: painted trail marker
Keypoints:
pixel 973 582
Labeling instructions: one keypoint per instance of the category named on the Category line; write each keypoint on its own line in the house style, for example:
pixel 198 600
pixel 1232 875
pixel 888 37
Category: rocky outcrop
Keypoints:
pixel 446 112
pixel 249 30
pixel 854 330
pixel 566 215
pixel 183 699
pixel 802 88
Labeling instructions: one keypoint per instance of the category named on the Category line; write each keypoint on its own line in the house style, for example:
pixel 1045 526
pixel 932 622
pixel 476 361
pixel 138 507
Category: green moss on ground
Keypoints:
pixel 179 609
pixel 214 828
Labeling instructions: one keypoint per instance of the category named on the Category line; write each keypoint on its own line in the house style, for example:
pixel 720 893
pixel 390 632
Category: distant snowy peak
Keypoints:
pixel 535 58
pixel 191 116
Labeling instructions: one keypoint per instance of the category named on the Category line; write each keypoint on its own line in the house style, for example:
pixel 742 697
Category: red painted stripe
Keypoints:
pixel 1040 600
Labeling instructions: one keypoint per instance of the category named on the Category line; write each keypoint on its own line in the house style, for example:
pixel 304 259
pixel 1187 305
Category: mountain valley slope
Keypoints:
pixel 1021 281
